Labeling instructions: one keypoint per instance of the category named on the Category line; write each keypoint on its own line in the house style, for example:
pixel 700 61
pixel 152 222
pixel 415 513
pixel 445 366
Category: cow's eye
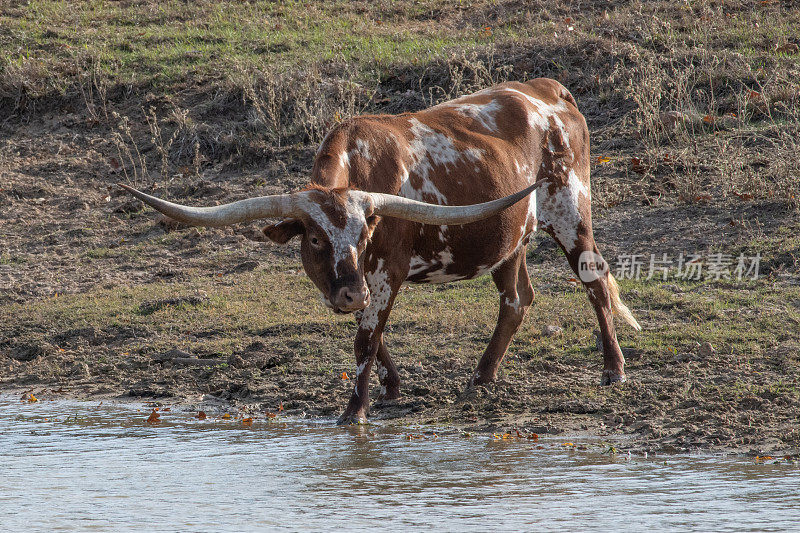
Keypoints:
pixel 314 241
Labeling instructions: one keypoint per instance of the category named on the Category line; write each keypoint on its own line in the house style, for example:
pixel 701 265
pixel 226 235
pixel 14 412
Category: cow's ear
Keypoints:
pixel 284 230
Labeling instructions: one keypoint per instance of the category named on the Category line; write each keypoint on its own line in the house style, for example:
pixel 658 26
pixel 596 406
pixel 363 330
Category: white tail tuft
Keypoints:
pixel 617 306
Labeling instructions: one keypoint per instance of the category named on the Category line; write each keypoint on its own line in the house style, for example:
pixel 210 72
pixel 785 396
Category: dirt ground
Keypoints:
pixel 102 294
pixel 101 298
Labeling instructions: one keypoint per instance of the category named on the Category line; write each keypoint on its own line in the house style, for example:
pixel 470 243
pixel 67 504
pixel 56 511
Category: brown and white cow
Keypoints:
pixel 391 201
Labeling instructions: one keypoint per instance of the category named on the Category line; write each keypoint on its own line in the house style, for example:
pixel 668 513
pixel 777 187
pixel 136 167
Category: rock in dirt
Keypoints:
pixel 80 370
pixel 706 349
pixel 170 224
pixel 552 331
pixel 26 352
pixel 150 307
pixel 247 266
pixel 682 357
pixel 236 361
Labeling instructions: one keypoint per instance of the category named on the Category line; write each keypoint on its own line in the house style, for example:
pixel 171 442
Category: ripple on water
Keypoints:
pixel 108 470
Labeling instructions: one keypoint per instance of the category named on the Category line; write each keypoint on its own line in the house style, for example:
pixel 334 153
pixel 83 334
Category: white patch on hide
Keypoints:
pixel 560 210
pixel 484 114
pixel 381 291
pixel 344 241
pixel 429 148
pixel 539 118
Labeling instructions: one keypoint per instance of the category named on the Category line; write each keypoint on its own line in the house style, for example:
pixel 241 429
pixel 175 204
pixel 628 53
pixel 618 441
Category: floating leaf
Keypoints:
pixel 280 407
pixel 154 417
pixel 247 422
pixel 271 415
pixel 31 398
pixel 201 415
pixel 602 159
pixel 226 416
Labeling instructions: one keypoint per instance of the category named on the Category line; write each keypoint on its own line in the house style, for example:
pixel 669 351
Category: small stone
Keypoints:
pixel 552 331
pixel 27 352
pixel 246 266
pixel 682 357
pixel 236 361
pixel 706 349
pixel 671 119
pixel 80 370
pixel 169 224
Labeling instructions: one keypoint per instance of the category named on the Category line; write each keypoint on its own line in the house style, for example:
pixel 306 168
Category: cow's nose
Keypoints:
pixel 349 299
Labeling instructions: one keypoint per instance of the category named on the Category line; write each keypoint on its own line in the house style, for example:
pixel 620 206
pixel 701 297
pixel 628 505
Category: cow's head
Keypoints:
pixel 336 226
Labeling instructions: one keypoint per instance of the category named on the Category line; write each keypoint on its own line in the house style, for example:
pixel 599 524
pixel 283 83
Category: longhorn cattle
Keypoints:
pixel 391 201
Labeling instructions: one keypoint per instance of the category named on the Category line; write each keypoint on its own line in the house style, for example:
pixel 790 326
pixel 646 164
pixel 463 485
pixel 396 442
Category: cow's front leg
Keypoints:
pixel 368 343
pixel 387 375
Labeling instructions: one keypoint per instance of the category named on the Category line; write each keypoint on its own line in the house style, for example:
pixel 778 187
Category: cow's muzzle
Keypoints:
pixel 350 299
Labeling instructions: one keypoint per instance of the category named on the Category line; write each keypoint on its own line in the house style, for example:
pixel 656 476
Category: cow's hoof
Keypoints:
pixel 610 378
pixel 473 385
pixel 347 419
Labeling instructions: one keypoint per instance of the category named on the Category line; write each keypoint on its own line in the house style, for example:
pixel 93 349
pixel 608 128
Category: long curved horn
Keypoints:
pixel 396 206
pixel 276 206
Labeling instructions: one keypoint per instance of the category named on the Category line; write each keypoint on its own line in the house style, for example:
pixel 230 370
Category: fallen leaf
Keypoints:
pixel 709 119
pixel 271 415
pixel 743 196
pixel 344 375
pixel 702 198
pixel 201 415
pixel 226 416
pixel 154 417
pixel 602 159
pixel 31 398
pixel 637 166
pixel 247 422
pixel 280 407
pixel 754 96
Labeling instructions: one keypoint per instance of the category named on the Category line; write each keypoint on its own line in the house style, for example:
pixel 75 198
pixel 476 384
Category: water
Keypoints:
pixel 107 470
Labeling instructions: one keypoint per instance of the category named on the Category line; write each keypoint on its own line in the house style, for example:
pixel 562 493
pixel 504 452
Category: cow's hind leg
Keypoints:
pixel 601 287
pixel 516 295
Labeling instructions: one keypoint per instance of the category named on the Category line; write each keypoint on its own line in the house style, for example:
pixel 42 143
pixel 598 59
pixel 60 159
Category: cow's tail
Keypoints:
pixel 619 308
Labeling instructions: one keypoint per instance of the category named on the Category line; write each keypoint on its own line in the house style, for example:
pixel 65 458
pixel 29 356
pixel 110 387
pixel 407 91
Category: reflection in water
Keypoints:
pixel 107 470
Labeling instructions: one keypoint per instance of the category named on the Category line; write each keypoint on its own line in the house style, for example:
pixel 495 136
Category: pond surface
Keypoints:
pixel 84 466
